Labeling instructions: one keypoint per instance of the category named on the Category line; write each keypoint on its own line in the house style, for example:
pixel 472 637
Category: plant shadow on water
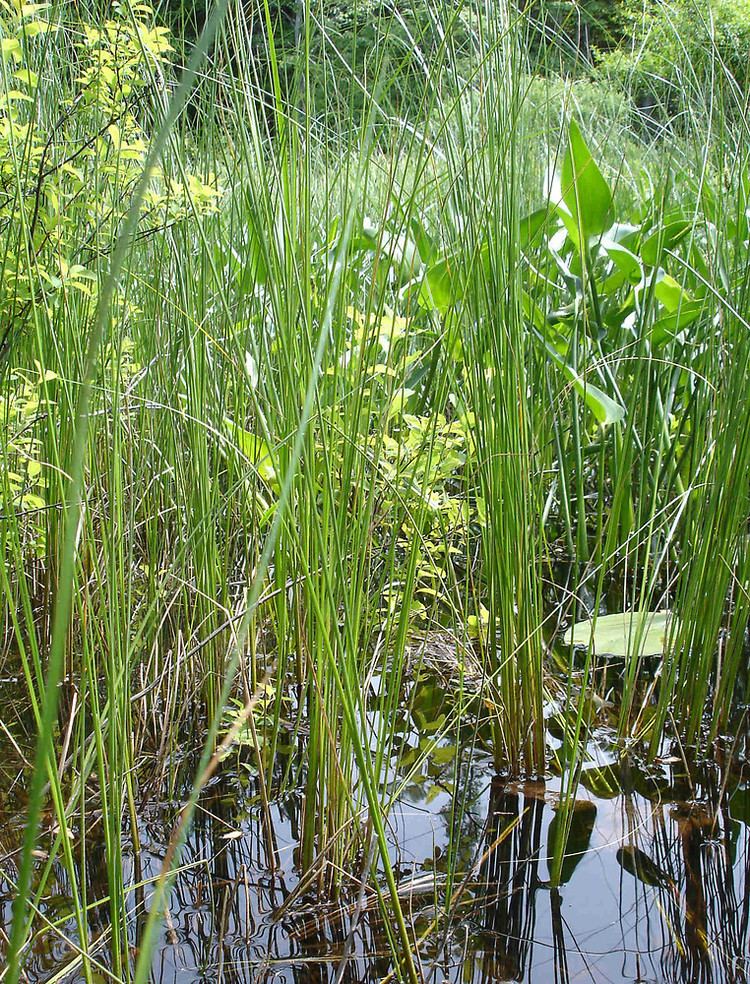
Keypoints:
pixel 654 885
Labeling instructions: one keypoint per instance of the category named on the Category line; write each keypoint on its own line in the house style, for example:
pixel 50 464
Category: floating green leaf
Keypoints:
pixel 602 780
pixel 637 863
pixel 622 633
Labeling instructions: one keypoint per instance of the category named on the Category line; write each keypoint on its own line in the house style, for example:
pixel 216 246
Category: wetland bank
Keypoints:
pixel 374 394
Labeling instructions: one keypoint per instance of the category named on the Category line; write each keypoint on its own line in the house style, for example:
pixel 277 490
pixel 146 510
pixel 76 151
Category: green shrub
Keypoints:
pixel 69 163
pixel 682 53
pixel 350 45
pixel 564 33
pixel 75 121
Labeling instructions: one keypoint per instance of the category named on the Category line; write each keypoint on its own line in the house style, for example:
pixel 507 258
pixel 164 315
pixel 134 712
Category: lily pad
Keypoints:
pixel 623 633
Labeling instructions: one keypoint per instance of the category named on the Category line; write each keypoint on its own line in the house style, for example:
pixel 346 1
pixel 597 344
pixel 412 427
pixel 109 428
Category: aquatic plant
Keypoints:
pixel 300 414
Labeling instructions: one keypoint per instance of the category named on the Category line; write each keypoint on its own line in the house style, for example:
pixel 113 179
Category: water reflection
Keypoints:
pixel 683 862
pixel 653 887
pixel 511 876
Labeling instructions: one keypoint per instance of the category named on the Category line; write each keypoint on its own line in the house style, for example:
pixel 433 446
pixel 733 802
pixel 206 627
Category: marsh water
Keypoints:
pixel 655 885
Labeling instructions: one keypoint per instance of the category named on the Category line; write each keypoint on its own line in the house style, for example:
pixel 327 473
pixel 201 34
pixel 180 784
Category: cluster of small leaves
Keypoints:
pixel 26 477
pixel 419 451
pixel 65 187
pixel 344 16
pixel 117 54
pixel 250 730
pixel 425 453
pixel 66 184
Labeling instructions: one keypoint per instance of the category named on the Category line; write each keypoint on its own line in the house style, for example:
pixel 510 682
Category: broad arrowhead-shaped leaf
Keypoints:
pixel 584 191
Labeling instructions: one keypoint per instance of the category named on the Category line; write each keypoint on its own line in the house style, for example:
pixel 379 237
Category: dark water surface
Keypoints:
pixel 655 885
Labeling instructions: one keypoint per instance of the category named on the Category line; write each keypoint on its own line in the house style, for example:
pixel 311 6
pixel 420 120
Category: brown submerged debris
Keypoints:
pixel 451 660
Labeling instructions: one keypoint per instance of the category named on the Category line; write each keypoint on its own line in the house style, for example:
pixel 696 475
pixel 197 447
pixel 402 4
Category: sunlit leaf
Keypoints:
pixel 11 48
pixel 255 450
pixel 584 191
pixel 623 632
pixel 440 287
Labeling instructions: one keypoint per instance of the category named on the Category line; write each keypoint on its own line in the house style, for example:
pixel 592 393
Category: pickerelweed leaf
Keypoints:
pixel 584 191
pixel 605 409
pixel 533 225
pixel 625 261
pixel 440 288
pixel 669 292
pixel 666 328
pixel 662 239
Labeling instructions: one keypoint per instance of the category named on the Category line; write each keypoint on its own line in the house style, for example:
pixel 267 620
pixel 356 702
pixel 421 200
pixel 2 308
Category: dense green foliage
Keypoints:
pixel 674 52
pixel 361 345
